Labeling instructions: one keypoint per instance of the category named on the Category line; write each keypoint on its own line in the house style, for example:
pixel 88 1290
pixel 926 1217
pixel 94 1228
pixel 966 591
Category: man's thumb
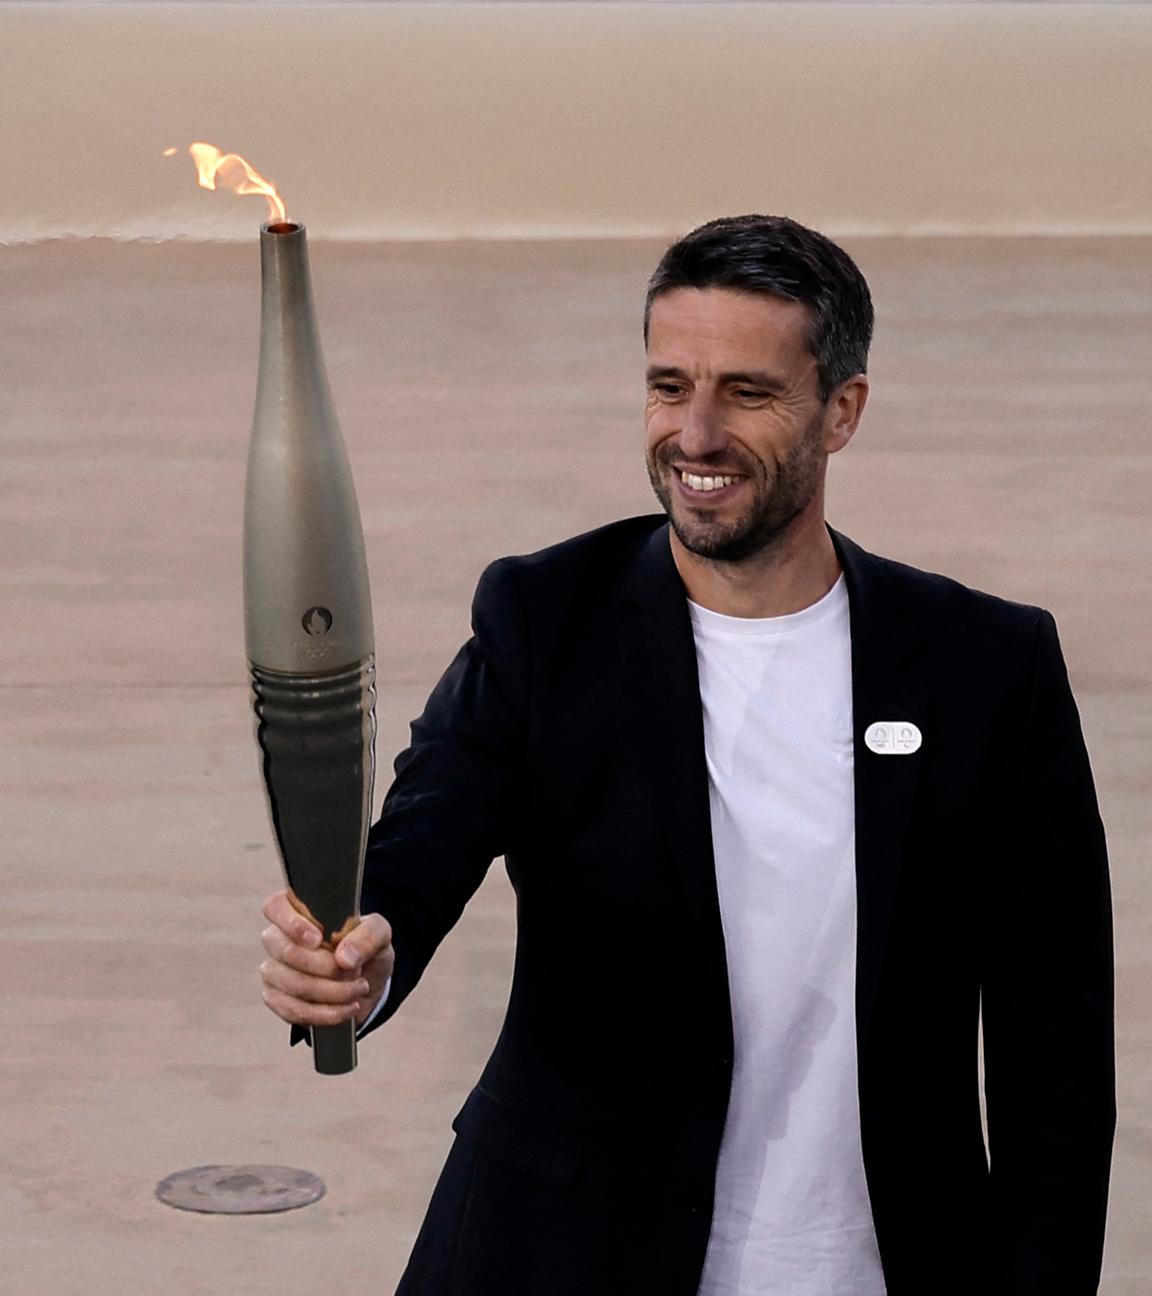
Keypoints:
pixel 365 941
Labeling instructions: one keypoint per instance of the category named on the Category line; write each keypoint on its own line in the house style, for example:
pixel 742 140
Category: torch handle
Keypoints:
pixel 315 737
pixel 334 1048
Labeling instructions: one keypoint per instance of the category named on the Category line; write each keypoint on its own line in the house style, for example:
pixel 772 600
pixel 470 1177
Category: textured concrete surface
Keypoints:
pixel 490 395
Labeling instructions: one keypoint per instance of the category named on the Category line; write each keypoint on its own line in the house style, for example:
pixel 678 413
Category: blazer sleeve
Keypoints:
pixel 449 811
pixel 1047 1002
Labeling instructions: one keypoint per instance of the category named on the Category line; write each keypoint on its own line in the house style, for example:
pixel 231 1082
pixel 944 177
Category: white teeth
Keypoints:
pixel 706 483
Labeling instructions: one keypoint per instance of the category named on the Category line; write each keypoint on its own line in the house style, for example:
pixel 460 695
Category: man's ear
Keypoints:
pixel 843 411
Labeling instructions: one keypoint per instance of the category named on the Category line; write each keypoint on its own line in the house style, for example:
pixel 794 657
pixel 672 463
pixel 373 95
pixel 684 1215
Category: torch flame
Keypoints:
pixel 235 173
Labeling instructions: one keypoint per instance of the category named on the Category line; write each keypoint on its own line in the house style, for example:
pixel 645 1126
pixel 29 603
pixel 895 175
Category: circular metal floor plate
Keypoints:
pixel 240 1189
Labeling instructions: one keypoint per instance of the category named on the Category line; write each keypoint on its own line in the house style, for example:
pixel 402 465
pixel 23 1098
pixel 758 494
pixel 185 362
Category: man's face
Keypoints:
pixel 736 436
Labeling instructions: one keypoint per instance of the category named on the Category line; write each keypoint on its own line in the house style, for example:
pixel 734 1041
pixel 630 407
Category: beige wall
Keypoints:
pixel 541 119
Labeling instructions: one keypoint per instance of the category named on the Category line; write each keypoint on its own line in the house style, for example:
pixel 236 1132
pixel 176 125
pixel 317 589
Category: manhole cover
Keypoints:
pixel 240 1189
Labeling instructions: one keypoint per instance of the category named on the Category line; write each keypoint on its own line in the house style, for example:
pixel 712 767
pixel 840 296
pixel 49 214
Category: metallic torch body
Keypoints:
pixel 308 616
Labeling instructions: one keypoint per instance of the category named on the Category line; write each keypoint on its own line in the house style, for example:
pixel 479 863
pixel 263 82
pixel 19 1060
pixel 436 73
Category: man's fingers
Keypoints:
pixel 303 1013
pixel 316 962
pixel 280 911
pixel 309 985
pixel 311 989
pixel 370 935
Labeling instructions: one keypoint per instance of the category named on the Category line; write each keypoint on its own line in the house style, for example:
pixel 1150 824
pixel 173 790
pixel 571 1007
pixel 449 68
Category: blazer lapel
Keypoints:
pixel 887 685
pixel 664 726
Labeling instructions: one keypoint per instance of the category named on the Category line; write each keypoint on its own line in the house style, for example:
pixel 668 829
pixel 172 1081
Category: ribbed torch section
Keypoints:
pixel 308 616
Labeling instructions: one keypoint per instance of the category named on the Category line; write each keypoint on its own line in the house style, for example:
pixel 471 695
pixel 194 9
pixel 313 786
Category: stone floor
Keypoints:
pixel 490 396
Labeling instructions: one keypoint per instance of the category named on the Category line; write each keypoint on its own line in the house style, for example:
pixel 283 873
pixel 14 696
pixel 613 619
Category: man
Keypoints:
pixel 785 820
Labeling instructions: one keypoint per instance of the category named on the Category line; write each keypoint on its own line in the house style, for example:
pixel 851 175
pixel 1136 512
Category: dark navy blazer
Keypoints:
pixel 567 736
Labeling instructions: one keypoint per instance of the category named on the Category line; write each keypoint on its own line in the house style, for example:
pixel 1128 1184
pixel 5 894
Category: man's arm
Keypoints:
pixel 449 811
pixel 1048 1003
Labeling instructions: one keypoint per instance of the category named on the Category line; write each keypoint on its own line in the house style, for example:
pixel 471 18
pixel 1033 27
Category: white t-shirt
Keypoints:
pixel 792 1215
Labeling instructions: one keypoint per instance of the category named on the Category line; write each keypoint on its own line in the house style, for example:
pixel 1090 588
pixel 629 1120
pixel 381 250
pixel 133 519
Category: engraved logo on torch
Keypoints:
pixel 317 621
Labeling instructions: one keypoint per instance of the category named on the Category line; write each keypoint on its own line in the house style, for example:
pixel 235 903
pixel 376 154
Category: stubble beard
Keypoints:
pixel 781 492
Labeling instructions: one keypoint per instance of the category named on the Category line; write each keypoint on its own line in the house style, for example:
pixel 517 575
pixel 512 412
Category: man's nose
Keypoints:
pixel 703 431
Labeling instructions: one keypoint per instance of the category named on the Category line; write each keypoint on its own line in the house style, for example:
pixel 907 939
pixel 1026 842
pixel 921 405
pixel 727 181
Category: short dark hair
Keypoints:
pixel 779 257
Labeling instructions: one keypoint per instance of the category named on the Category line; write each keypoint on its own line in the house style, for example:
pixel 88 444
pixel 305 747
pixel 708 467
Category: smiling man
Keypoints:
pixel 786 821
pixel 741 417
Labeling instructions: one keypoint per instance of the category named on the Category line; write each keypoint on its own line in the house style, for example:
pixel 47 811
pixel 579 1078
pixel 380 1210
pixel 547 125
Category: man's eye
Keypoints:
pixel 666 389
pixel 746 393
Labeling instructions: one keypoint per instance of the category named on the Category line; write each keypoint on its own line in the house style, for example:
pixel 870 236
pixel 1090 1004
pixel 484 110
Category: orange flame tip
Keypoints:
pixel 233 172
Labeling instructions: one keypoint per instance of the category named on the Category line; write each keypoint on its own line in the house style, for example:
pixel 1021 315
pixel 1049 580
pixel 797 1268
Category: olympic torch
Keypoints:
pixel 307 606
pixel 308 617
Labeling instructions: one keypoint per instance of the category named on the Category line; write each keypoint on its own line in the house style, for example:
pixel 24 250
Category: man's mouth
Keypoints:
pixel 697 485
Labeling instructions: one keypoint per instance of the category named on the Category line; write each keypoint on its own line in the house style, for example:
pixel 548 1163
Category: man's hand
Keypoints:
pixel 308 985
